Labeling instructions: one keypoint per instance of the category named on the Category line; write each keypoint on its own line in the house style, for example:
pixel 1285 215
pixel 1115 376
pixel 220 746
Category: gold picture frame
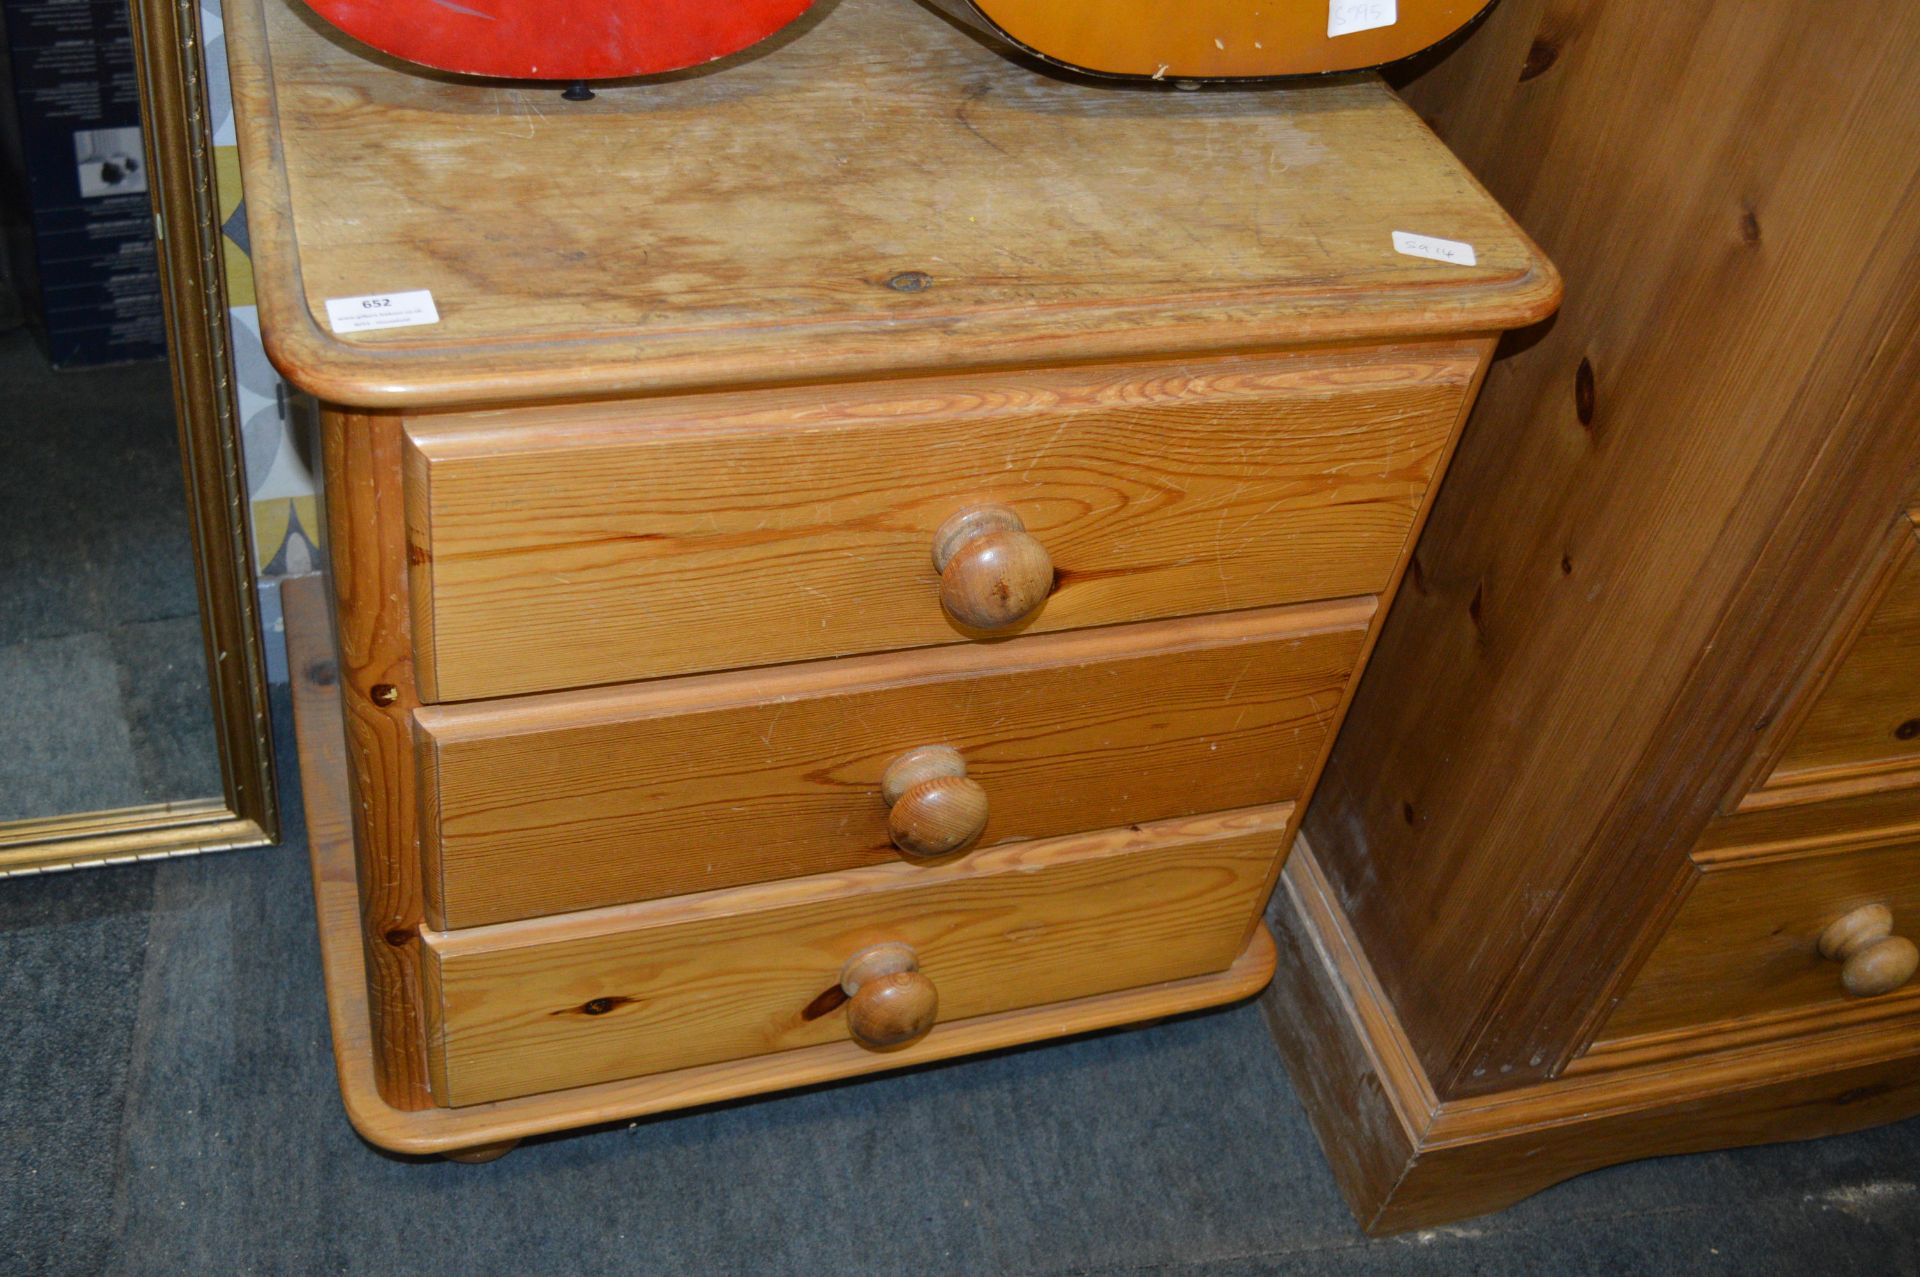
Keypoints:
pixel 179 153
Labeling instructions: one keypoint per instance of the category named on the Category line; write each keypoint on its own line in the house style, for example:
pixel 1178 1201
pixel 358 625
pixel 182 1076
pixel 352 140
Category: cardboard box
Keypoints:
pixel 88 267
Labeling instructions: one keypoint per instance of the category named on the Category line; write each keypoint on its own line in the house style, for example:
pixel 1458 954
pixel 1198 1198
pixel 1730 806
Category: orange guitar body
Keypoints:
pixel 1219 39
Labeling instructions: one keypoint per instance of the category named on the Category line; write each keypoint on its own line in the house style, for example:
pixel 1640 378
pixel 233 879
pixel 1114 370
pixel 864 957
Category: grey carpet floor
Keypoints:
pixel 168 1107
pixel 102 676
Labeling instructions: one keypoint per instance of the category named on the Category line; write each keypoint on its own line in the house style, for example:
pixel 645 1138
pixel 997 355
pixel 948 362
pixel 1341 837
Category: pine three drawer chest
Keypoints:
pixel 860 561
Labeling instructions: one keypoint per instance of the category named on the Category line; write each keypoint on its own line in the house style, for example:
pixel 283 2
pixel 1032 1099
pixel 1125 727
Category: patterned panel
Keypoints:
pixel 280 482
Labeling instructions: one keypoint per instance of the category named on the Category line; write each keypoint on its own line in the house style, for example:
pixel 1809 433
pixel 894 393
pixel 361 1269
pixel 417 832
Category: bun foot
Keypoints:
pixel 480 1154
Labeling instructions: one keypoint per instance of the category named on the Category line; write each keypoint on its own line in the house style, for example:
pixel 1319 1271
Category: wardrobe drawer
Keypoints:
pixel 615 993
pixel 591 544
pixel 583 799
pixel 1746 944
pixel 1867 717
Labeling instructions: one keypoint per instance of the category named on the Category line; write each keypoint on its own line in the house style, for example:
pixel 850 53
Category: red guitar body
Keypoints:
pixel 560 39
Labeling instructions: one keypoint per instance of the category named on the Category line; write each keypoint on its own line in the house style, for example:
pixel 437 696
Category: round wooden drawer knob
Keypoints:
pixel 1875 960
pixel 933 808
pixel 890 1002
pixel 993 574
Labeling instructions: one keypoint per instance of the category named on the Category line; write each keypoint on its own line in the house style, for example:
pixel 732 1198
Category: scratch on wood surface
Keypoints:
pixel 1045 448
pixel 524 108
pixel 1237 678
pixel 766 737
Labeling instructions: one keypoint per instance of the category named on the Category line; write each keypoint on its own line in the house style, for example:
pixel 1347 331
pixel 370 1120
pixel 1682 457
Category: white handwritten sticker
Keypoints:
pixel 1434 248
pixel 1344 17
pixel 381 310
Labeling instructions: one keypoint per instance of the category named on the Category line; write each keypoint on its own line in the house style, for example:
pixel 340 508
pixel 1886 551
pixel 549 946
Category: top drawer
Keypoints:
pixel 569 546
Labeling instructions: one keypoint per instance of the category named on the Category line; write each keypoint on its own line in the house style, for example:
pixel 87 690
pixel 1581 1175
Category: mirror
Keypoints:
pixel 131 657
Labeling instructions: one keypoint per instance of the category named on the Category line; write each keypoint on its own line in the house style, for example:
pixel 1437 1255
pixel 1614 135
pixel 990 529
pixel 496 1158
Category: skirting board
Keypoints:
pixel 1405 1159
pixel 323 776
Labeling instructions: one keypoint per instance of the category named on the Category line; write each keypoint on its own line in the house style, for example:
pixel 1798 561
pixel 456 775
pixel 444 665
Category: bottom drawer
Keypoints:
pixel 566 1001
pixel 1746 944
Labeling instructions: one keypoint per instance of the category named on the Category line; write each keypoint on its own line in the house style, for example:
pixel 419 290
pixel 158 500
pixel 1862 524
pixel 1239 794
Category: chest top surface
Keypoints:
pixel 873 193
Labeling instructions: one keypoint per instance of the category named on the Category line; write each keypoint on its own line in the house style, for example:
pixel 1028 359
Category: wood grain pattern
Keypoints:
pixel 1406 1159
pixel 1867 717
pixel 366 539
pixel 1664 501
pixel 1745 945
pixel 1400 575
pixel 552 803
pixel 585 998
pixel 323 769
pixel 579 545
pixel 878 193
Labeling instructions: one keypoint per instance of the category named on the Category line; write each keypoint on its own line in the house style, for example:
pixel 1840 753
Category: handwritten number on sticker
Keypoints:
pixel 1344 17
pixel 1433 248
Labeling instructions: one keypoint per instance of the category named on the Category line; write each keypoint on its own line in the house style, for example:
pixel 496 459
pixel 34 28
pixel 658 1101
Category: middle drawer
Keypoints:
pixel 556 803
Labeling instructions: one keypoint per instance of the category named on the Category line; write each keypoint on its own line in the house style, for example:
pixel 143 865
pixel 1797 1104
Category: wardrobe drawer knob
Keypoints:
pixel 993 573
pixel 890 1002
pixel 1875 961
pixel 934 808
